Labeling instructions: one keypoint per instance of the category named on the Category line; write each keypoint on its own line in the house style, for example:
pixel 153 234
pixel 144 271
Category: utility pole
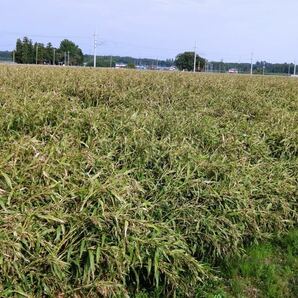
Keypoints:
pixel 36 57
pixel 251 63
pixel 221 66
pixel 68 58
pixel 65 58
pixel 195 58
pixel 13 56
pixel 54 56
pixel 94 49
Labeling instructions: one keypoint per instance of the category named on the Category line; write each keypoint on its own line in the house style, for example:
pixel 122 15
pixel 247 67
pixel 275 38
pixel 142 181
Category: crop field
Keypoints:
pixel 143 184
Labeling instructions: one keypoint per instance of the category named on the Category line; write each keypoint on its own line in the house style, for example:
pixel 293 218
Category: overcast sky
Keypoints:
pixel 223 29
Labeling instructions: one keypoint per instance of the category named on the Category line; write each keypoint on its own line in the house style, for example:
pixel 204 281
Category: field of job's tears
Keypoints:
pixel 142 184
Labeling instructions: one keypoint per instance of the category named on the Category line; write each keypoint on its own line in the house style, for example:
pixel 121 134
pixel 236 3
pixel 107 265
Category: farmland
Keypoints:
pixel 126 183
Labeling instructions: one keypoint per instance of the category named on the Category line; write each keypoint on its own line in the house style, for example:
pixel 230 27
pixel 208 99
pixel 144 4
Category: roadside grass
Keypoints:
pixel 127 183
pixel 266 270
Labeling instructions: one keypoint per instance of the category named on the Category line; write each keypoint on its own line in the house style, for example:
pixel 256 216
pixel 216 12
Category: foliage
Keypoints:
pixel 270 68
pixel 27 53
pixel 24 51
pixel 131 66
pixel 105 61
pixel 76 54
pixel 139 183
pixel 267 270
pixel 5 56
pixel 185 61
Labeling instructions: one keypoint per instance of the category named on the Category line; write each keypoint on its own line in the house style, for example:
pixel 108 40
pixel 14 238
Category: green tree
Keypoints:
pixel 49 53
pixel 41 53
pixel 18 52
pixel 27 51
pixel 185 61
pixel 75 53
pixel 131 65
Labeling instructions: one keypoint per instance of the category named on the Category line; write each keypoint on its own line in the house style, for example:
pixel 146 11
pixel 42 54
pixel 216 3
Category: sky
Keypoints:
pixel 228 30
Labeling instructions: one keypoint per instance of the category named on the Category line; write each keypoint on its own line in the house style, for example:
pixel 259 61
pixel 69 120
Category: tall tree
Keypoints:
pixel 75 53
pixel 39 53
pixel 18 51
pixel 185 61
pixel 49 53
pixel 27 51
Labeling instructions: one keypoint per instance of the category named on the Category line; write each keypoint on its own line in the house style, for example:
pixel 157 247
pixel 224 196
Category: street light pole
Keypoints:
pixel 251 63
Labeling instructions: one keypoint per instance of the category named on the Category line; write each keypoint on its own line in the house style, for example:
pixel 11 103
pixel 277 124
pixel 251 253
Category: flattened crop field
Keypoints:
pixel 117 183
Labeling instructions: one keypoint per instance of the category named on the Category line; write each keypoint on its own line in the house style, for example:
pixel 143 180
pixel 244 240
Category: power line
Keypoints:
pixel 43 35
pixel 106 41
pixel 96 43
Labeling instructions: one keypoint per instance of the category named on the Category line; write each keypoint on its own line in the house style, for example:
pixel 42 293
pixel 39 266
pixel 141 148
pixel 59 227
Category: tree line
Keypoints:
pixel 258 67
pixel 69 53
pixel 185 61
pixel 111 61
pixel 27 52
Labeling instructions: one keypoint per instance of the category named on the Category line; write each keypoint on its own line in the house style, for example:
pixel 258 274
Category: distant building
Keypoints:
pixel 166 68
pixel 141 67
pixel 120 65
pixel 146 67
pixel 233 70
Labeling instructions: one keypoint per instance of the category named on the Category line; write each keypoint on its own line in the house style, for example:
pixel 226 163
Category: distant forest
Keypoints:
pixel 111 61
pixel 5 56
pixel 258 67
